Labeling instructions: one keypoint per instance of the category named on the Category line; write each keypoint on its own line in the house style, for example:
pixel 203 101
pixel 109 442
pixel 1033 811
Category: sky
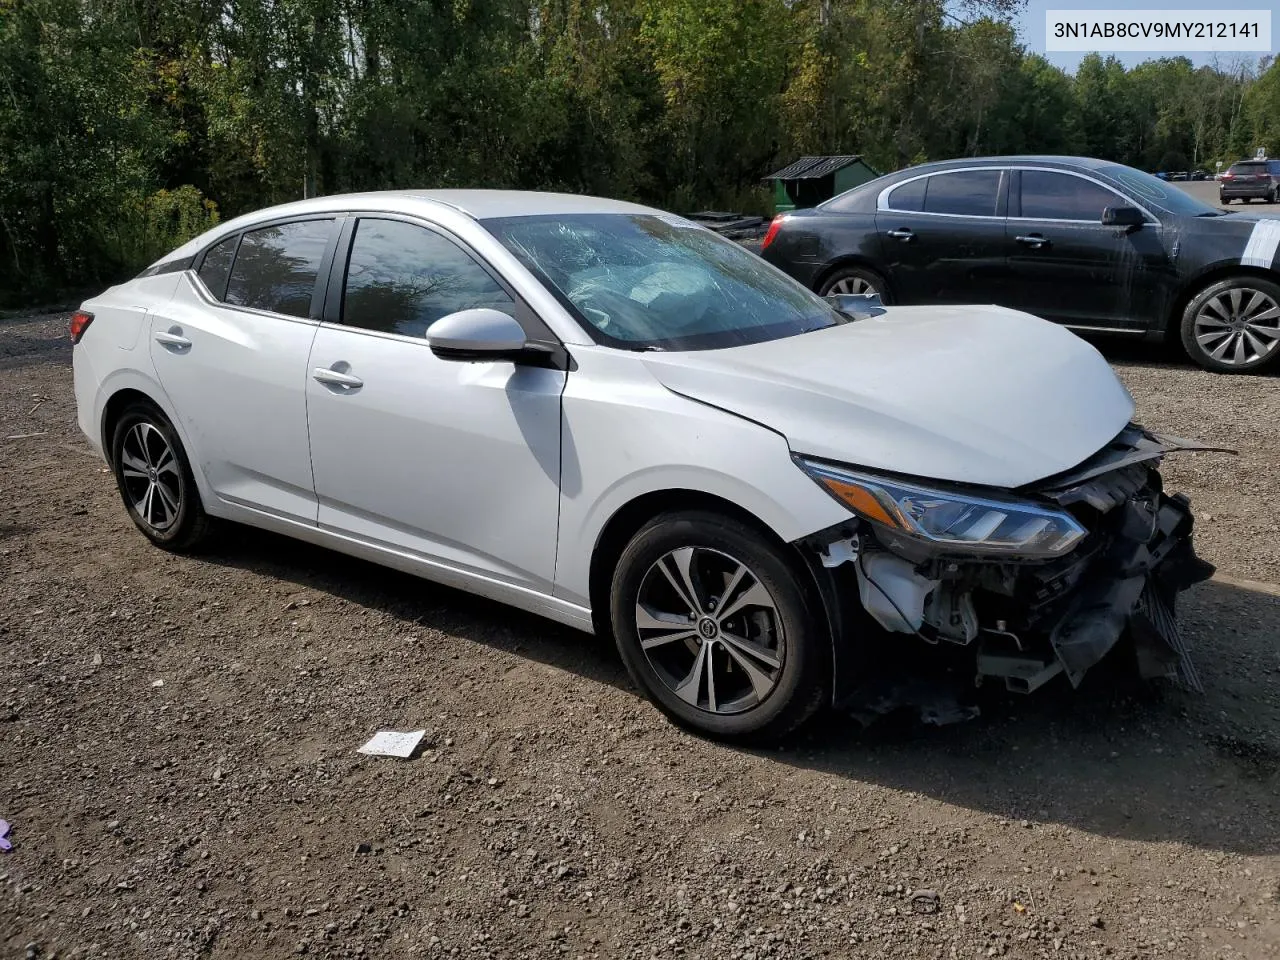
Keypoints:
pixel 1031 26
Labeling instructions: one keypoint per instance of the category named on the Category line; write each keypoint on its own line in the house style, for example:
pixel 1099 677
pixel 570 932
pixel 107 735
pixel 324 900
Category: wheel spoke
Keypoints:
pixel 166 463
pixel 1271 313
pixel 147 498
pixel 690 687
pixel 162 503
pixel 1218 306
pixel 1213 336
pixel 761 682
pixel 1239 356
pixel 682 578
pixel 710 649
pixel 1271 333
pixel 1204 320
pixel 752 649
pixel 1235 296
pixel 1260 349
pixel 167 499
pixel 726 595
pixel 1220 350
pixel 754 596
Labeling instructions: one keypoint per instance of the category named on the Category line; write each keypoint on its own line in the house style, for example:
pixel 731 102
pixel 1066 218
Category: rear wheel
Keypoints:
pixel 714 625
pixel 857 280
pixel 155 480
pixel 1233 326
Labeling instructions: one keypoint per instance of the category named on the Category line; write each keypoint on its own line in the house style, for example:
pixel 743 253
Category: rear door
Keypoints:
pixel 231 350
pixel 457 463
pixel 943 236
pixel 1065 266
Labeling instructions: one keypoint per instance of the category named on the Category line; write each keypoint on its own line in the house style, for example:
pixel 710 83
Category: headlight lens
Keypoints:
pixel 951 520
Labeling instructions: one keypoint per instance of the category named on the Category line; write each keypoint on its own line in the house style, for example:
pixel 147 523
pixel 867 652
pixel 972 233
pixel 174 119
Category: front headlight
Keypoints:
pixel 952 520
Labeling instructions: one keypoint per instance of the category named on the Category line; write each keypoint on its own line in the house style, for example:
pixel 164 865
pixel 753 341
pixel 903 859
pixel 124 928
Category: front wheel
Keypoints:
pixel 714 625
pixel 1233 326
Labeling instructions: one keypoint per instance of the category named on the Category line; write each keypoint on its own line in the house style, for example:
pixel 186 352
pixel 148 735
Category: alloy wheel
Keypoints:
pixel 1238 327
pixel 710 630
pixel 151 477
pixel 855 285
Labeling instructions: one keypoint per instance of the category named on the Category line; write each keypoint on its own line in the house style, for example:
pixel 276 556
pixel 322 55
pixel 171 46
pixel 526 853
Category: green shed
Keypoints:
pixel 810 180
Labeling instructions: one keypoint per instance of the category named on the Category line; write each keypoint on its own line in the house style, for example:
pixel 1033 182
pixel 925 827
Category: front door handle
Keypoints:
pixel 1033 240
pixel 169 339
pixel 902 233
pixel 335 378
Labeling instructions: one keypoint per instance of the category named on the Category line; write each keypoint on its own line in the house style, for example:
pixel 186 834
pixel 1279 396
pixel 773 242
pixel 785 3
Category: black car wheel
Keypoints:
pixel 1225 201
pixel 715 627
pixel 858 280
pixel 155 479
pixel 1233 326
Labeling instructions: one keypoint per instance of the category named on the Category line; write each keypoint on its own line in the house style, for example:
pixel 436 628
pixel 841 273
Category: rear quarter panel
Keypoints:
pixel 812 242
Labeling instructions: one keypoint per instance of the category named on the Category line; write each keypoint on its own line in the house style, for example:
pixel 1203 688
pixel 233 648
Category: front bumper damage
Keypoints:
pixel 1028 621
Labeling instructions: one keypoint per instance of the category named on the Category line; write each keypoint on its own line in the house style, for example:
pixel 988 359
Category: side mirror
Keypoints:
pixel 859 305
pixel 1122 217
pixel 478 334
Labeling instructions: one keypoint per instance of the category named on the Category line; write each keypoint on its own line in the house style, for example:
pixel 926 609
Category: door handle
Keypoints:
pixel 334 378
pixel 902 233
pixel 1033 240
pixel 170 339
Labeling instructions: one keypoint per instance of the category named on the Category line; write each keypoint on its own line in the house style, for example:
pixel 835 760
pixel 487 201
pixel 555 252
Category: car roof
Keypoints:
pixel 1089 163
pixel 476 204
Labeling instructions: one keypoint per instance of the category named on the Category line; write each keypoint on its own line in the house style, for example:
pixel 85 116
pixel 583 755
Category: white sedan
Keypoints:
pixel 612 417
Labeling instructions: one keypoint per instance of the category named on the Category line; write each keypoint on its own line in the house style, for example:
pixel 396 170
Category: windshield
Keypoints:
pixel 1152 191
pixel 1248 169
pixel 659 282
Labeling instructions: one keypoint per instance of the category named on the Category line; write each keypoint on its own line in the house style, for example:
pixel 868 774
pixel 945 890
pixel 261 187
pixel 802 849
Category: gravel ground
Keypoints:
pixel 177 756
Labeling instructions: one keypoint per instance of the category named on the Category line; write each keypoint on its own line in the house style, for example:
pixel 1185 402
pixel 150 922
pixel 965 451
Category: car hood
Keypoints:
pixel 981 395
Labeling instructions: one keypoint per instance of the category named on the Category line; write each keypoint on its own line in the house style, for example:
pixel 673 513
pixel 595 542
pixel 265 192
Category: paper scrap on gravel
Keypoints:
pixel 4 829
pixel 393 743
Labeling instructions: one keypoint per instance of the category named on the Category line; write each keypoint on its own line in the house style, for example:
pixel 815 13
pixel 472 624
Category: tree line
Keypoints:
pixel 127 126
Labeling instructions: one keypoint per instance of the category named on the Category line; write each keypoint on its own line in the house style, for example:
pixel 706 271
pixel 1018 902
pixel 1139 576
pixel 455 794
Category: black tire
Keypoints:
pixel 1202 343
pixel 801 651
pixel 854 277
pixel 173 518
pixel 1225 201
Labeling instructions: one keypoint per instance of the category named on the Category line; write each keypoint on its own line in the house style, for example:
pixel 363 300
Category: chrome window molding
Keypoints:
pixel 882 199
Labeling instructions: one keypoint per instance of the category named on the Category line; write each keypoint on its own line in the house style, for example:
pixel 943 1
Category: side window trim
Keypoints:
pixel 882 201
pixel 317 292
pixel 534 326
pixel 1128 201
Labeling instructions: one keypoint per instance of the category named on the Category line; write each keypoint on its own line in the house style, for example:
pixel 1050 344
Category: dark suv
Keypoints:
pixel 1251 180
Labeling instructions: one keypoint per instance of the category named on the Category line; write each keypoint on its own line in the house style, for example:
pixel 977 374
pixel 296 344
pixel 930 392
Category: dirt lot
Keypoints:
pixel 225 813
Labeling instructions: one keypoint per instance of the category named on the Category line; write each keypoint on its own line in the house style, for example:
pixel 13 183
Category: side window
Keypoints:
pixel 401 278
pixel 276 267
pixel 216 267
pixel 909 196
pixel 1057 196
pixel 970 193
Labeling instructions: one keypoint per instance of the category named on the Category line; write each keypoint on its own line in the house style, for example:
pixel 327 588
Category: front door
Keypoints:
pixel 943 237
pixel 456 463
pixel 230 350
pixel 1064 265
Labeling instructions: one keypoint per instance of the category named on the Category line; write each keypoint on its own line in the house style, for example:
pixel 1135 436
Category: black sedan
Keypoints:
pixel 1086 243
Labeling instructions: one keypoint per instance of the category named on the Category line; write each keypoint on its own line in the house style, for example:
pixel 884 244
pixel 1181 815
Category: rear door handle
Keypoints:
pixel 169 339
pixel 902 233
pixel 1033 240
pixel 334 378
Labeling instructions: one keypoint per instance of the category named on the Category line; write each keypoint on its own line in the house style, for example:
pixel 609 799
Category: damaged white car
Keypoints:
pixel 612 417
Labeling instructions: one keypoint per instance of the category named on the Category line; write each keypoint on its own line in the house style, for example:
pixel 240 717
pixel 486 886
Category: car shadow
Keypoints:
pixel 1115 758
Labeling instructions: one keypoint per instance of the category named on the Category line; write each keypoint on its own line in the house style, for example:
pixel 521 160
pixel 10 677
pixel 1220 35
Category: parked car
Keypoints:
pixel 1089 244
pixel 617 419
pixel 1250 180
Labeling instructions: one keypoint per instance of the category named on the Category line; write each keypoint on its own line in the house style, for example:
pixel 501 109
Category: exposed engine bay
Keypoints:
pixel 1027 620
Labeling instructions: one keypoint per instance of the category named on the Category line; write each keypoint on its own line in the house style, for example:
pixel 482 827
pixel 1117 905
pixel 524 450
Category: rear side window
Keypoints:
pixel 217 266
pixel 1059 196
pixel 401 278
pixel 275 268
pixel 970 193
pixel 1247 169
pixel 909 196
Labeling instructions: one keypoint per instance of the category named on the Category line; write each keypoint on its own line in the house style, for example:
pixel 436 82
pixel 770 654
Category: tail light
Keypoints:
pixel 79 324
pixel 772 231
